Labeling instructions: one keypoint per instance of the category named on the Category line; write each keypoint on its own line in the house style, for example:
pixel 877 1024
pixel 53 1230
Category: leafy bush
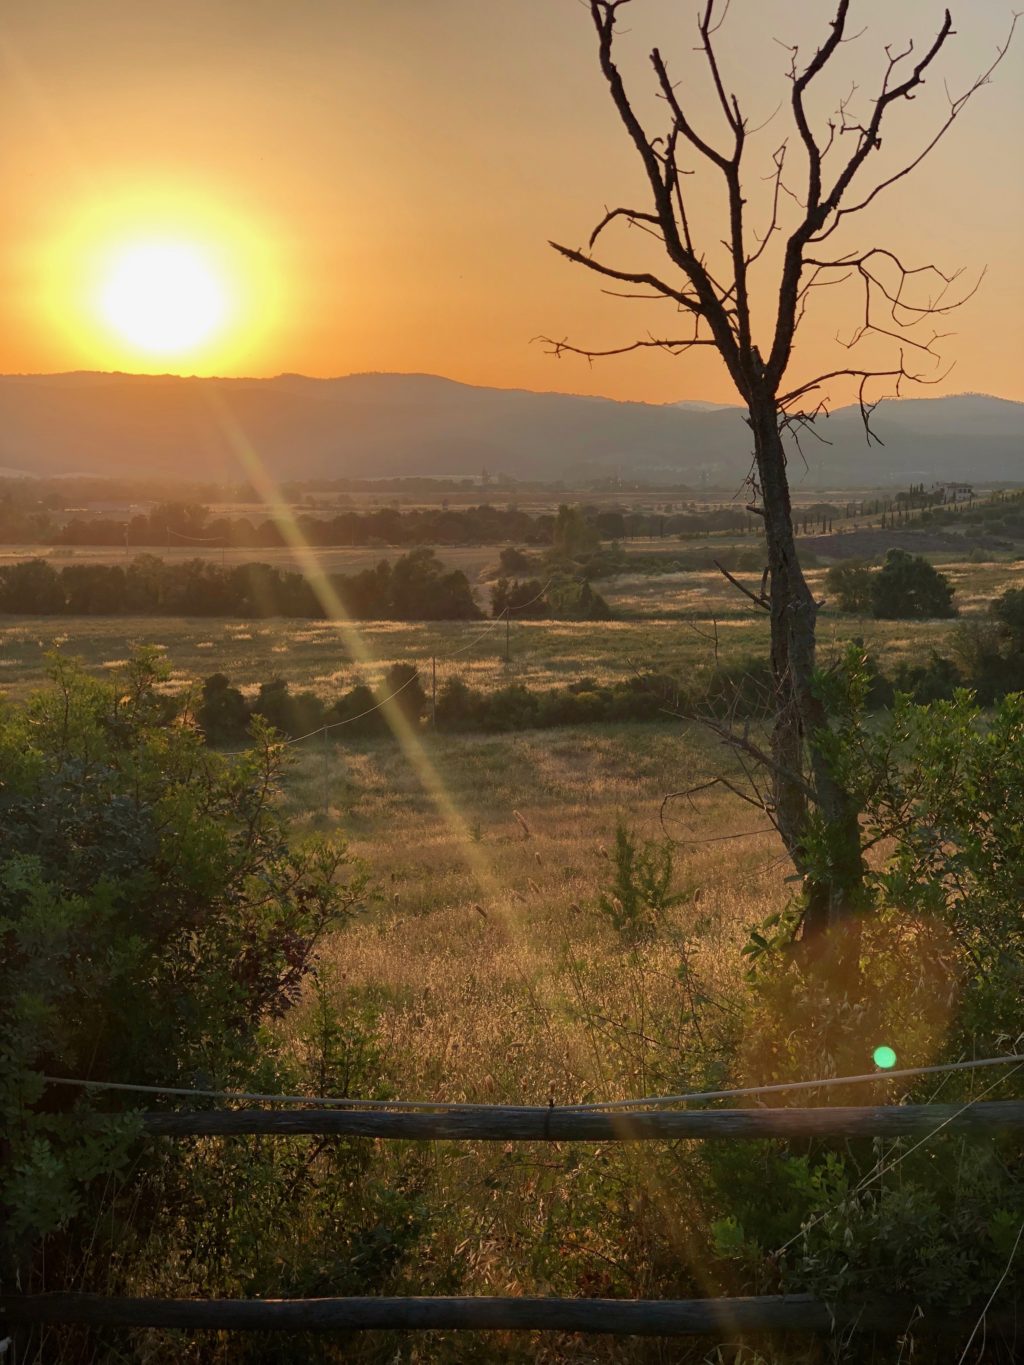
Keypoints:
pixel 222 715
pixel 514 561
pixel 936 680
pixel 935 968
pixel 402 682
pixel 153 916
pixel 291 713
pixel 1008 611
pixel 850 584
pixel 571 599
pixel 641 892
pixel 907 587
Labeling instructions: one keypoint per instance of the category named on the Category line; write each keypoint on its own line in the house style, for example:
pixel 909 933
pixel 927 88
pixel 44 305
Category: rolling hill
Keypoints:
pixel 369 425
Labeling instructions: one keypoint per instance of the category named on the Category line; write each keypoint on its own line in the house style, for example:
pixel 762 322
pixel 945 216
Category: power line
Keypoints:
pixel 349 720
pixel 646 1102
pixel 440 658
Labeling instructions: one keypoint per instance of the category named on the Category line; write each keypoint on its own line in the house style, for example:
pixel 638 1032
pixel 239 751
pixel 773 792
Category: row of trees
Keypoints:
pixel 563 597
pixel 177 524
pixel 987 659
pixel 225 715
pixel 416 587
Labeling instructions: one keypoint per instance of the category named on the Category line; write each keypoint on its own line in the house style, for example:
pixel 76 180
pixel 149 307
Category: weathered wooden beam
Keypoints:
pixel 502 1124
pixel 622 1317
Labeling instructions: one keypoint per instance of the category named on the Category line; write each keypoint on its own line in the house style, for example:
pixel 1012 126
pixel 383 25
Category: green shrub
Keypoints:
pixel 573 599
pixel 850 584
pixel 1008 611
pixel 402 682
pixel 640 894
pixel 153 917
pixel 936 971
pixel 524 599
pixel 936 680
pixel 223 715
pixel 907 587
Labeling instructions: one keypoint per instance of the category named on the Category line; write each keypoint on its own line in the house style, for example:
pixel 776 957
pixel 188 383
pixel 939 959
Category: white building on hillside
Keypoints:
pixel 954 492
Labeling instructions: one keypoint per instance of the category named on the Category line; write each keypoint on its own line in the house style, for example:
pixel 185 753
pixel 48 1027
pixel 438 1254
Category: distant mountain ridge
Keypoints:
pixel 368 425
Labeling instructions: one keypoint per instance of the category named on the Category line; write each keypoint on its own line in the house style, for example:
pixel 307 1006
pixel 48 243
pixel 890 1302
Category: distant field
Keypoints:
pixel 668 622
pixel 470 559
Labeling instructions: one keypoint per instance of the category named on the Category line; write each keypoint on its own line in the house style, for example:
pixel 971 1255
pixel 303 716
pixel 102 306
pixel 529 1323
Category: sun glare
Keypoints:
pixel 163 278
pixel 164 297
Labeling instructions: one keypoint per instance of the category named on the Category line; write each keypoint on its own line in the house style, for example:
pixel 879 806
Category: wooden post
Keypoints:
pixel 433 691
pixel 507 617
pixel 323 761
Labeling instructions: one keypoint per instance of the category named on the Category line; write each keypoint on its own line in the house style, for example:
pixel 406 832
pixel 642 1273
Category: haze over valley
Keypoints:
pixel 405 424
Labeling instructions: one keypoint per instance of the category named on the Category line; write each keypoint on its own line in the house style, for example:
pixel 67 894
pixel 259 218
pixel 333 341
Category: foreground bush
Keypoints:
pixel 154 916
pixel 934 969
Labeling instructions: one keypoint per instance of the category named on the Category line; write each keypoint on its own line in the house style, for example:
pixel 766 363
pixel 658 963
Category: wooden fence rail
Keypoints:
pixel 620 1317
pixel 502 1124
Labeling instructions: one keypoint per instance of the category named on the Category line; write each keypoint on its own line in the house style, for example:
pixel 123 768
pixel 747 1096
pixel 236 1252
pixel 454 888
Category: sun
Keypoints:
pixel 162 278
pixel 164 297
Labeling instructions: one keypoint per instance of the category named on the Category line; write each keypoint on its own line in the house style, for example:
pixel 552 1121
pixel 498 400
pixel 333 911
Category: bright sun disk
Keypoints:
pixel 163 296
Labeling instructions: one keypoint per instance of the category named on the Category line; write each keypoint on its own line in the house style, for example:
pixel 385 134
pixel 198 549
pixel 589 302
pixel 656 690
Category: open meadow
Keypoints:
pixel 483 966
pixel 662 622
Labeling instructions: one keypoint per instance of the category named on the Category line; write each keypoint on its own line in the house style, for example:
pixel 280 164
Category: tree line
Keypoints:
pixel 225 715
pixel 416 587
pixel 176 524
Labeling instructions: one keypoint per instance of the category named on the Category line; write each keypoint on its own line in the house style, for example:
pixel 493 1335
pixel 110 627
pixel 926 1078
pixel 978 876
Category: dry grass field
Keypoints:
pixel 486 973
pixel 482 969
pixel 485 951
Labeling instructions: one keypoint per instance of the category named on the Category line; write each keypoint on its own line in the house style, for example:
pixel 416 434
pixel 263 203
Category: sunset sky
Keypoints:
pixel 329 186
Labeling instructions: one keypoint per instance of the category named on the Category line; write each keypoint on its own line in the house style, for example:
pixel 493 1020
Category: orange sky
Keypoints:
pixel 377 181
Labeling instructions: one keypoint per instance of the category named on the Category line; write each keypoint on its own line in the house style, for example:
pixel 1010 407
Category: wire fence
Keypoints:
pixel 645 1102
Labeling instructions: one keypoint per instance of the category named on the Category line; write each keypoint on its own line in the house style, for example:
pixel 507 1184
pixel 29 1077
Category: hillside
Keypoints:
pixel 393 424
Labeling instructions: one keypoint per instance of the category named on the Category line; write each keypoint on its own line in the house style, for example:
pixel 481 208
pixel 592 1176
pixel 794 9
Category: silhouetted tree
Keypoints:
pixel 815 814
pixel 907 587
pixel 222 714
pixel 573 534
pixel 522 598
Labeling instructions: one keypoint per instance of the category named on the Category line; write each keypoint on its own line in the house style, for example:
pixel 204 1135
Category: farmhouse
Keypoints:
pixel 953 492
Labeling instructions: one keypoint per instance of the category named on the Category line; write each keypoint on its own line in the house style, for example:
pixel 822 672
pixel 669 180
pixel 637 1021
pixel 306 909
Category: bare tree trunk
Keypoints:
pixel 804 786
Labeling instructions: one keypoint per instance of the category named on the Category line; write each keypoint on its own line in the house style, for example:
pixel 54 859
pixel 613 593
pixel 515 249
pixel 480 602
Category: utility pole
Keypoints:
pixel 323 758
pixel 507 610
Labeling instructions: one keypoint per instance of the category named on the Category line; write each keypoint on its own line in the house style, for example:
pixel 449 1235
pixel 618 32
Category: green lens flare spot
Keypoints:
pixel 884 1057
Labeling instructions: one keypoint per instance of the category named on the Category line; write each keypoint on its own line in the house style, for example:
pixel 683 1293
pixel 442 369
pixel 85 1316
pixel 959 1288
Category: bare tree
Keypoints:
pixel 801 794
